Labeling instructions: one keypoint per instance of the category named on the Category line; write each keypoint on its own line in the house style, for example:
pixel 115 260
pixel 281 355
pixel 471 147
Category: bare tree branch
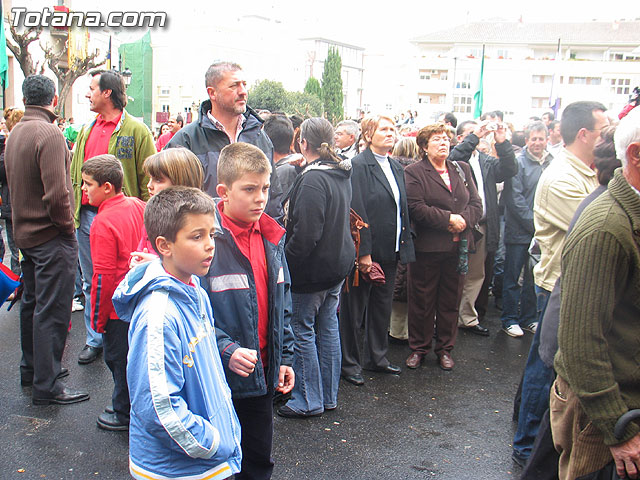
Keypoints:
pixel 67 76
pixel 20 48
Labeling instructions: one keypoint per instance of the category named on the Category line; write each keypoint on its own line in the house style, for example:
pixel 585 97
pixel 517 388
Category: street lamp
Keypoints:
pixel 126 75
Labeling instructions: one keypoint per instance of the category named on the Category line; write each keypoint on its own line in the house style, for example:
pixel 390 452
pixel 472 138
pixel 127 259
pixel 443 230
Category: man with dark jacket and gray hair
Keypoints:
pixel 37 162
pixel 346 137
pixel 519 303
pixel 225 118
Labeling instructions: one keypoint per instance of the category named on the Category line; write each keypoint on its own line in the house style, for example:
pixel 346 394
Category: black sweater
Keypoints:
pixel 319 248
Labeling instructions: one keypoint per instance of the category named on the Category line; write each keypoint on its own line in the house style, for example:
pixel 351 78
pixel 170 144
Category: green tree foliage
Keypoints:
pixel 272 96
pixel 268 95
pixel 313 87
pixel 304 104
pixel 332 87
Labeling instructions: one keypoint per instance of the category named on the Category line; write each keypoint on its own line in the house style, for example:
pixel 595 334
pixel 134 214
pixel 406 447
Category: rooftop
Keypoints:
pixel 619 33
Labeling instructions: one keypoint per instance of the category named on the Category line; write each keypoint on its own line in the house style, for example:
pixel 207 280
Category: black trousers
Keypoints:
pixel 116 347
pixel 369 305
pixel 482 302
pixel 48 273
pixel 256 421
pixel 543 462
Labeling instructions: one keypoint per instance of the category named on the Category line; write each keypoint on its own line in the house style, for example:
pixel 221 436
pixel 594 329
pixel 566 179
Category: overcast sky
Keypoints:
pixel 376 26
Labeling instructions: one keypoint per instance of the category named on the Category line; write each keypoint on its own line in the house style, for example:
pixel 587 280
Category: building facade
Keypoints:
pixel 596 61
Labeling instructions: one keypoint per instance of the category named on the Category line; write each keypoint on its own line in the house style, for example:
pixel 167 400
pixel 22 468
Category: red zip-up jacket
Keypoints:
pixel 115 233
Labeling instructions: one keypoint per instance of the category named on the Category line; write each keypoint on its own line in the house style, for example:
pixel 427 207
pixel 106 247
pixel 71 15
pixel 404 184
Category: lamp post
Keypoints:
pixel 126 75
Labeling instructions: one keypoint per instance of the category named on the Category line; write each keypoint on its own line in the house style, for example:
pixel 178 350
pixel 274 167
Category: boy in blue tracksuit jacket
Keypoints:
pixel 183 424
pixel 248 285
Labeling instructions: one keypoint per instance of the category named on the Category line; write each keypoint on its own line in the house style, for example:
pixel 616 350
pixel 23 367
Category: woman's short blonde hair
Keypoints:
pixel 406 147
pixel 179 165
pixel 370 124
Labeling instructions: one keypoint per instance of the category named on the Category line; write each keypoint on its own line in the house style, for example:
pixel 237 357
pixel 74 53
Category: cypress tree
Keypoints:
pixel 332 87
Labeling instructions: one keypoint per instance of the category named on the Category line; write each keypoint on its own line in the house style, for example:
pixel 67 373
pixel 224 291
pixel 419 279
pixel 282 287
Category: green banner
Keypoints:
pixel 138 57
pixel 4 60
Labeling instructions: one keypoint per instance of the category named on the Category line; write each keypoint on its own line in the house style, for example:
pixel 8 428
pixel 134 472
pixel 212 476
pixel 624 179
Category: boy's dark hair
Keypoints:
pixel 296 120
pixel 576 116
pixel 105 168
pixel 166 212
pixel 280 130
pixel 238 159
pixel 38 90
pixel 111 80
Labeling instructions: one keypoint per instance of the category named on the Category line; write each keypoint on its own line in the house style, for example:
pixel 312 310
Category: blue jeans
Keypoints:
pixel 518 303
pixel 317 357
pixel 535 389
pixel 94 339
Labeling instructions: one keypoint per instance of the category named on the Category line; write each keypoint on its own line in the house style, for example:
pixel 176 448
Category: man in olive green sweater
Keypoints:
pixel 599 337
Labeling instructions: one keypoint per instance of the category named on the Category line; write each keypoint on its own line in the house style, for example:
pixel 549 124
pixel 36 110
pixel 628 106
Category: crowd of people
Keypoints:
pixel 247 257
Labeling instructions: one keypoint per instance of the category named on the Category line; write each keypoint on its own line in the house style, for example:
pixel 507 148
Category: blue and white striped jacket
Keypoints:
pixel 183 424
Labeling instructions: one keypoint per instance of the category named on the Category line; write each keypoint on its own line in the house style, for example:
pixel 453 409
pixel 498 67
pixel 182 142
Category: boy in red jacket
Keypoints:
pixel 115 233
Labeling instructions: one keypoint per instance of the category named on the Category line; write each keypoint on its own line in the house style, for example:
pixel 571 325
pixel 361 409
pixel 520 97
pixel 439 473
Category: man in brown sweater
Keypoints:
pixel 597 361
pixel 37 162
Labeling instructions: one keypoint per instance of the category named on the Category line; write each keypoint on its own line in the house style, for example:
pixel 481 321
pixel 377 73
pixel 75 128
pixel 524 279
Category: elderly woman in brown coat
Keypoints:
pixel 444 206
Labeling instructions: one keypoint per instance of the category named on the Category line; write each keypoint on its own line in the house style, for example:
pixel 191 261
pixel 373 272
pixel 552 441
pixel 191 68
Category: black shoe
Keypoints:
pixel 89 354
pixel 391 369
pixel 109 421
pixel 519 460
pixel 26 380
pixel 398 341
pixel 288 412
pixel 65 397
pixel 478 330
pixel 355 379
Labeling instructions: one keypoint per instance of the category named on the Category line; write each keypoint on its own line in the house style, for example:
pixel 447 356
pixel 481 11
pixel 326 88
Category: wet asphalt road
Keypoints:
pixel 422 424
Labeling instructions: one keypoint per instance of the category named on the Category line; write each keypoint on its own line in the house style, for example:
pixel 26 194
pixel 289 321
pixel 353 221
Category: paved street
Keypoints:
pixel 423 424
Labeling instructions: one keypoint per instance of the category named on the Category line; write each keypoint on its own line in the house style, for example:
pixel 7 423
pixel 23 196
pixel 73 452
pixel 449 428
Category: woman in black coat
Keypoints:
pixel 379 197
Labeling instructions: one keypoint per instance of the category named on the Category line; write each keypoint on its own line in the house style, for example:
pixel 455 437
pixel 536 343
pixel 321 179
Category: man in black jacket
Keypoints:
pixel 487 172
pixel 223 119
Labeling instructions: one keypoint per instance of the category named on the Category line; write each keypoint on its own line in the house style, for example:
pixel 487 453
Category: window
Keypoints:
pixel 164 91
pixel 624 57
pixel 462 103
pixel 539 102
pixel 578 80
pixel 464 82
pixel 541 79
pixel 424 75
pixel 503 53
pixel 620 86
pixel 443 75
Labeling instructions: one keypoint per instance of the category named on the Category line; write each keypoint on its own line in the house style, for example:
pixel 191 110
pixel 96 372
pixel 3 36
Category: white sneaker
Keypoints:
pixel 76 305
pixel 532 327
pixel 513 331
